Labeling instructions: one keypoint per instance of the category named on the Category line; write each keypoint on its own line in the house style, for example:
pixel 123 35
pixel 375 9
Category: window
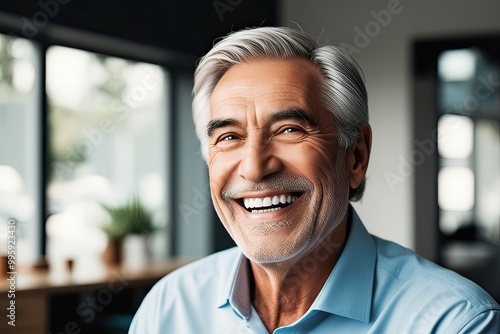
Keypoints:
pixel 19 158
pixel 457 189
pixel 468 145
pixel 108 143
pixel 106 123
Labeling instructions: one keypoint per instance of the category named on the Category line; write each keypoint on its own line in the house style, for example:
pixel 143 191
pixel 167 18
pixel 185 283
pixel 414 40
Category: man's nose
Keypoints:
pixel 258 161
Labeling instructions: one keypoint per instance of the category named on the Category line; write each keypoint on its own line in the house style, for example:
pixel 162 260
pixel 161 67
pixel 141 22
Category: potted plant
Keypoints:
pixel 129 226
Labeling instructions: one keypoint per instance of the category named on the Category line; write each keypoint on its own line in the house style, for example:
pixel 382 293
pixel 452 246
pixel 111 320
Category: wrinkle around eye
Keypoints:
pixel 291 133
pixel 228 141
pixel 323 145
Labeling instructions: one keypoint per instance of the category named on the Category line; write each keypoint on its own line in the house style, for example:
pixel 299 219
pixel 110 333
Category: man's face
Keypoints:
pixel 278 180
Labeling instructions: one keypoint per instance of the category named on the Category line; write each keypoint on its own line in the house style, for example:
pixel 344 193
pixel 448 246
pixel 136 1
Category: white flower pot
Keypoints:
pixel 135 251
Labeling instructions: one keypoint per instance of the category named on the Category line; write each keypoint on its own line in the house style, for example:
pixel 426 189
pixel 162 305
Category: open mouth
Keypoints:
pixel 268 204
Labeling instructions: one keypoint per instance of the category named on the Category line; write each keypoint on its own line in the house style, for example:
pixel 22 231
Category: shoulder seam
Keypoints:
pixel 473 317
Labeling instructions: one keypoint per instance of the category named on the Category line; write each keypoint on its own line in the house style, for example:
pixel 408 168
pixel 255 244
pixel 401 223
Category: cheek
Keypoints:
pixel 325 147
pixel 312 155
pixel 222 169
pixel 321 161
pixel 218 169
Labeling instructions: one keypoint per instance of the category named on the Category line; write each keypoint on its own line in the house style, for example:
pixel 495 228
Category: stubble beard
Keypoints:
pixel 269 252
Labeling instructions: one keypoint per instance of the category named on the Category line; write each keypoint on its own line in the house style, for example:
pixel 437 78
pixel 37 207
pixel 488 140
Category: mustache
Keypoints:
pixel 275 182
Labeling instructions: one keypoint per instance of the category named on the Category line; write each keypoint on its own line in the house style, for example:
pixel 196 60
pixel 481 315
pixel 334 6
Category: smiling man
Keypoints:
pixel 283 125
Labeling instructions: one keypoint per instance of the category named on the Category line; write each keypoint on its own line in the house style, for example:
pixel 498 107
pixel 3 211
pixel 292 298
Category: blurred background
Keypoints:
pixel 95 124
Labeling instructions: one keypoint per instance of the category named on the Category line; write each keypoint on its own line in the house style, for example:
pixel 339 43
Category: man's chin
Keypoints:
pixel 262 253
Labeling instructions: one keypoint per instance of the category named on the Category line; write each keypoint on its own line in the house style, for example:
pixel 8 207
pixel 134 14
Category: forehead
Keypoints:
pixel 281 81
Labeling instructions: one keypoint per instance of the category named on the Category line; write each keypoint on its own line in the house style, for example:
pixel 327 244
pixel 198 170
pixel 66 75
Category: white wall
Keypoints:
pixel 386 60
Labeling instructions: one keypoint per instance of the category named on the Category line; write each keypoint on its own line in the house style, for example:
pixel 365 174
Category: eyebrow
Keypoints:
pixel 219 123
pixel 301 115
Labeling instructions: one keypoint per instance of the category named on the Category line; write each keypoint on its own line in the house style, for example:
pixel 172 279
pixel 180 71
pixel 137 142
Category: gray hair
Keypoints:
pixel 343 92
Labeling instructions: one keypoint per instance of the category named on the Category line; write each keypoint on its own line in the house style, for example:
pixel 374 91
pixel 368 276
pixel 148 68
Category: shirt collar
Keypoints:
pixel 236 290
pixel 355 269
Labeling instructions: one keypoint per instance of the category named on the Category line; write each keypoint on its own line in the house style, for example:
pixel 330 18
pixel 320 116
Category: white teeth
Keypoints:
pixel 265 210
pixel 265 202
pixel 282 199
pixel 248 202
pixel 275 200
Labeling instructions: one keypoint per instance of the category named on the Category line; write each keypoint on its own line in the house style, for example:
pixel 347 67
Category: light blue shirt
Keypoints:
pixel 376 287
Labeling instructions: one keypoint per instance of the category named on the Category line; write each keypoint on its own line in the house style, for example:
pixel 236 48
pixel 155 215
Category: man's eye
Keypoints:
pixel 290 130
pixel 228 138
pixel 290 133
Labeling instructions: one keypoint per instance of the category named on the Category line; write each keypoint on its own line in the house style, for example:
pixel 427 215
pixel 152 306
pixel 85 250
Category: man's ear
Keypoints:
pixel 359 156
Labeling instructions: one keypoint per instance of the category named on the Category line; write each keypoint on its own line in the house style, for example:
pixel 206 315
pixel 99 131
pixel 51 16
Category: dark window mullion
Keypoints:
pixel 44 149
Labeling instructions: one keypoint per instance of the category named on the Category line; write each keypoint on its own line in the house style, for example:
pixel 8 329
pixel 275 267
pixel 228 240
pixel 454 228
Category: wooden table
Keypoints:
pixel 34 289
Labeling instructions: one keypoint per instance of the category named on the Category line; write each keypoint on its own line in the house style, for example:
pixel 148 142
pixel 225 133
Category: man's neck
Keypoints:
pixel 282 293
